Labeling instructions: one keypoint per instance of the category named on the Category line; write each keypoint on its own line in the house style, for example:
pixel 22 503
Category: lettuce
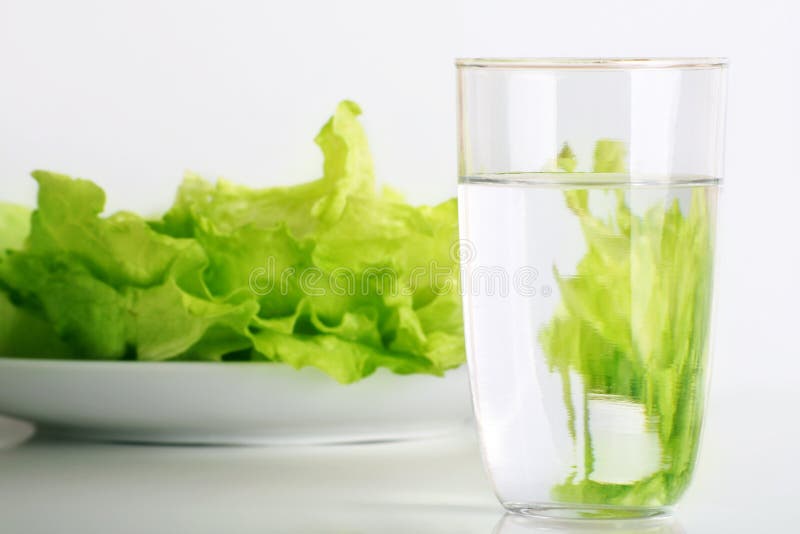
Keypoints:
pixel 332 273
pixel 633 325
pixel 22 332
pixel 14 225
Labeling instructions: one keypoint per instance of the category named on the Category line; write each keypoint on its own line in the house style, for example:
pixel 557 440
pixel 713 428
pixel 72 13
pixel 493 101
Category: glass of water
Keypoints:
pixel 588 197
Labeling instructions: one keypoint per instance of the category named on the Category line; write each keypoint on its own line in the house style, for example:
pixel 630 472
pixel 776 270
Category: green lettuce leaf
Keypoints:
pixel 609 156
pixel 633 325
pixel 566 160
pixel 14 225
pixel 331 273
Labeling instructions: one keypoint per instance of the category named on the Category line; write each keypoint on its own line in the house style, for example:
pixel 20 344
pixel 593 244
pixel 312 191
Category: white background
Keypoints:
pixel 131 93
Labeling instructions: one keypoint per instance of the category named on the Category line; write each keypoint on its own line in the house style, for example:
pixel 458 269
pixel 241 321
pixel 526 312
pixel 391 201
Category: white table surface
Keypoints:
pixel 747 481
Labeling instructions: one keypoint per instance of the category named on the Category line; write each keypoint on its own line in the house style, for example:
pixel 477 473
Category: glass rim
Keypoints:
pixel 592 63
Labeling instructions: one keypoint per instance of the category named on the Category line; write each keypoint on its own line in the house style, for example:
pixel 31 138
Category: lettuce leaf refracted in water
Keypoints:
pixel 633 325
pixel 331 274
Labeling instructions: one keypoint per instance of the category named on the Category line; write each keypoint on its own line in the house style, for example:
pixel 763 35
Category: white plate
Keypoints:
pixel 230 403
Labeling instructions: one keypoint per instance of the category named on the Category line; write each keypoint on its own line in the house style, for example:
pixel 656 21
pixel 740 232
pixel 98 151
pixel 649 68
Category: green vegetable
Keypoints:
pixel 21 332
pixel 566 160
pixel 633 325
pixel 609 156
pixel 330 273
pixel 14 225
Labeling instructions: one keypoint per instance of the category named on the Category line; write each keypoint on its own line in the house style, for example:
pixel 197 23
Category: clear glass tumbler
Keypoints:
pixel 588 197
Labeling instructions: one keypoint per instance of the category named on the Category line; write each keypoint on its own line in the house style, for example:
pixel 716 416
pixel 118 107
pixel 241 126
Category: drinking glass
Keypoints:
pixel 588 197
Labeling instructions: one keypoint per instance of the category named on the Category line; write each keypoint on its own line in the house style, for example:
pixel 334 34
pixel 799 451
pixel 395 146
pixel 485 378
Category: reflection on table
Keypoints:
pixel 516 524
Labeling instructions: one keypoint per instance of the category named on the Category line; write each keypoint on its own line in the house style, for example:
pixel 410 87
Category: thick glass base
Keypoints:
pixel 582 512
